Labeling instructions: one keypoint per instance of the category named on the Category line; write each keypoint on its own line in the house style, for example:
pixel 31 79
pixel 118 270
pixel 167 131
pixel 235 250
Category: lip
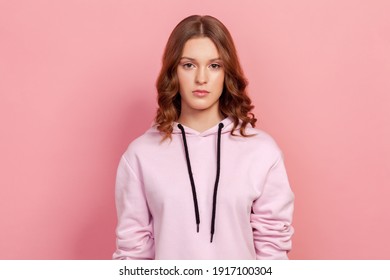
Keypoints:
pixel 200 92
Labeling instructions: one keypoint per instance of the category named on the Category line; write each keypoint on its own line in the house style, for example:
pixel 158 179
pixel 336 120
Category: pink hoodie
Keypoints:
pixel 157 207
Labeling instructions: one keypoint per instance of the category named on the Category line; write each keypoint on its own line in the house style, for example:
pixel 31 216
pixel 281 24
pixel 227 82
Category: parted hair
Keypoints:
pixel 234 101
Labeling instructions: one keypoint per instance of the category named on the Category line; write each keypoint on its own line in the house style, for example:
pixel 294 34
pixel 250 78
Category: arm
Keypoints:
pixel 272 215
pixel 134 232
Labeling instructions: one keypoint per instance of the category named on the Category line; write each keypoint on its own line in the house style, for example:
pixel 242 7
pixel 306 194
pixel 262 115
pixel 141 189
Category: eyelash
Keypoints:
pixel 188 65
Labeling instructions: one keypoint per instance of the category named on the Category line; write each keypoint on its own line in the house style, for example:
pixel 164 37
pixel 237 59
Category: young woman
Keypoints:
pixel 203 183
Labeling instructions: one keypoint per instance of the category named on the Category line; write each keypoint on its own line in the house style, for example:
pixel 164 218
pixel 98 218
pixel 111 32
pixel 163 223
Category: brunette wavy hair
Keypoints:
pixel 234 101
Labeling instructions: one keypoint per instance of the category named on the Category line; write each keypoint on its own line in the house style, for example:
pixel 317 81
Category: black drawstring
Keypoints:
pixel 220 126
pixel 191 177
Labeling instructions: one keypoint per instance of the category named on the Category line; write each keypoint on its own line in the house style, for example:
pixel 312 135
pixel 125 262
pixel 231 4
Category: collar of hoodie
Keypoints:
pixel 227 127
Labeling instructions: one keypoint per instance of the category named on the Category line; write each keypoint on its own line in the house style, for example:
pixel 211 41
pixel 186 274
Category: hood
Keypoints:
pixel 227 127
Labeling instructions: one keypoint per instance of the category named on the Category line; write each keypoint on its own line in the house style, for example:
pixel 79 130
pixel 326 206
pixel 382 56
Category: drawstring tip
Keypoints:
pixel 211 239
pixel 197 227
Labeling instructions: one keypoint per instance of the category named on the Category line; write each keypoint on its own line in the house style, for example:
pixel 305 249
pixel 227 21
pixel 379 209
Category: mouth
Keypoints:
pixel 200 93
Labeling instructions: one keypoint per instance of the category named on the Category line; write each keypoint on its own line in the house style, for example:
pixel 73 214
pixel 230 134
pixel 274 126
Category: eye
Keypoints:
pixel 215 66
pixel 188 65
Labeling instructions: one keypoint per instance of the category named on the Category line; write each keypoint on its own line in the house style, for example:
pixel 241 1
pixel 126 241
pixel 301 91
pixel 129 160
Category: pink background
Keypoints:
pixel 77 85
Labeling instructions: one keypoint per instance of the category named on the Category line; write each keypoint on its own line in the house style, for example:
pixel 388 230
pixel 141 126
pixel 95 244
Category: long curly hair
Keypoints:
pixel 234 101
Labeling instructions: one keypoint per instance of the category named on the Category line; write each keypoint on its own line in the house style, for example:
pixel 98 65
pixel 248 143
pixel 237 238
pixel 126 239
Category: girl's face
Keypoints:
pixel 201 77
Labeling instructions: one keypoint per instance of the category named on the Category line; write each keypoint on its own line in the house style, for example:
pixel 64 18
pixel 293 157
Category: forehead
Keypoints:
pixel 200 48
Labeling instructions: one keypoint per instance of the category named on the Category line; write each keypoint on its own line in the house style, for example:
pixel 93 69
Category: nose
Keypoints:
pixel 201 76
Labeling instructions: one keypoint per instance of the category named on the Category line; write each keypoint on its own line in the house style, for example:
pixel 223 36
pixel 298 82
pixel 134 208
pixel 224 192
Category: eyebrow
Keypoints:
pixel 193 59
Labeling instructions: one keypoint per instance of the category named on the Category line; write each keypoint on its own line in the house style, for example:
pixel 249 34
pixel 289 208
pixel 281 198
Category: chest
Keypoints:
pixel 167 181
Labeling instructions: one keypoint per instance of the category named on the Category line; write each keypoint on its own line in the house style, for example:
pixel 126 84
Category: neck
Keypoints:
pixel 200 121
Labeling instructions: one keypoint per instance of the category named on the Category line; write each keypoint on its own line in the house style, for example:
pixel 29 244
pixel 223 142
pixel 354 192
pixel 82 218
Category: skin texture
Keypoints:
pixel 200 69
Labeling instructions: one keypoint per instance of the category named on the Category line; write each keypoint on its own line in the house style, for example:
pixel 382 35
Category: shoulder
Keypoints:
pixel 262 143
pixel 145 143
pixel 258 136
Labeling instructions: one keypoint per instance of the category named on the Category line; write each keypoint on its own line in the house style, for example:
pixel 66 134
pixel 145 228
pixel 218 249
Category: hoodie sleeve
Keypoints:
pixel 134 232
pixel 272 215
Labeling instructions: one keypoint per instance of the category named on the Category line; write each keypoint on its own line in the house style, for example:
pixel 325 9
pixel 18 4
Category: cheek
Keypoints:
pixel 220 80
pixel 184 80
